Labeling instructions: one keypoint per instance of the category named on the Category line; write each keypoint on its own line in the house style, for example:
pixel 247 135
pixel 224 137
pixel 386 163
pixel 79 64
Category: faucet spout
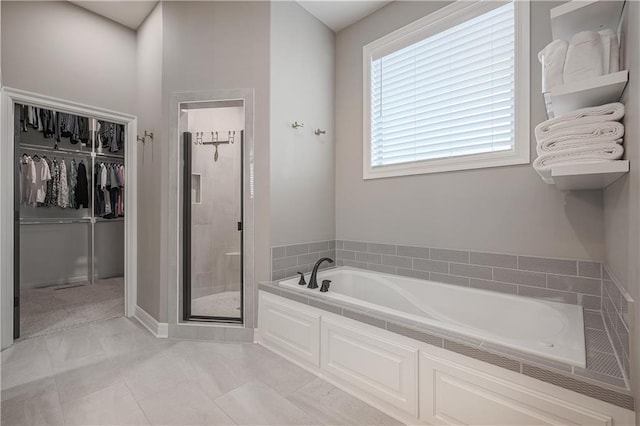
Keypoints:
pixel 313 281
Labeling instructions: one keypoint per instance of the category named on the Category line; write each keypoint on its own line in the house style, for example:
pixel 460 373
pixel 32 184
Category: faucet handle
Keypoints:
pixel 325 286
pixel 302 281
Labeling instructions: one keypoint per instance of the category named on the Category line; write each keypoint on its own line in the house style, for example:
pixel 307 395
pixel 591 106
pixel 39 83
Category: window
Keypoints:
pixel 449 92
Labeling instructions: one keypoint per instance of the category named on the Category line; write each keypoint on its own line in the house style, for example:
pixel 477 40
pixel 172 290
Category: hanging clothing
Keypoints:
pixel 63 188
pixel 82 187
pixel 39 185
pixel 27 178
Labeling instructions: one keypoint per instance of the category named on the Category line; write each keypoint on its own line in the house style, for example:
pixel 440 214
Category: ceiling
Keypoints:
pixel 128 13
pixel 335 14
pixel 340 14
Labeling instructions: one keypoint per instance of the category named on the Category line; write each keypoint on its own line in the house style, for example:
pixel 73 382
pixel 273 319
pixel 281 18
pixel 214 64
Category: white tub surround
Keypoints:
pixel 550 330
pixel 366 297
pixel 389 364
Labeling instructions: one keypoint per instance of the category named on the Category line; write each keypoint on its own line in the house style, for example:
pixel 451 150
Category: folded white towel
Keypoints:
pixel 590 154
pixel 576 136
pixel 610 51
pixel 607 112
pixel 584 57
pixel 552 58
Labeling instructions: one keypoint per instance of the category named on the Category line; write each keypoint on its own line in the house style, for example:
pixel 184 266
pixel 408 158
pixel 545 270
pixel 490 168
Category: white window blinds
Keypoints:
pixel 450 94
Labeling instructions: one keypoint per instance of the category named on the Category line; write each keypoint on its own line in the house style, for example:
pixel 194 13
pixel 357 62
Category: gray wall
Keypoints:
pixel 622 198
pixel 58 49
pixel 302 164
pixel 210 46
pixel 505 209
pixel 149 111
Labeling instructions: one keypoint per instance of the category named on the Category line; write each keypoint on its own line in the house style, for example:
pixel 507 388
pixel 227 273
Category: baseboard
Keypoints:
pixel 62 281
pixel 158 329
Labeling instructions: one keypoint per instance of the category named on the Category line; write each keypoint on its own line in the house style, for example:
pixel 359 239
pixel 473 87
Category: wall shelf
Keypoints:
pixel 588 175
pixel 579 15
pixel 585 93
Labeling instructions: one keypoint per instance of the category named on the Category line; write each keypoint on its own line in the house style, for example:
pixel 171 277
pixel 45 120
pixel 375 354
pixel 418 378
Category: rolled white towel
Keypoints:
pixel 552 58
pixel 576 136
pixel 596 153
pixel 607 112
pixel 584 57
pixel 610 51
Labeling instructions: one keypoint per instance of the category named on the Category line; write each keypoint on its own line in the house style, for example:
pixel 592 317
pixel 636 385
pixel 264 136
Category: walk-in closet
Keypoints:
pixel 69 220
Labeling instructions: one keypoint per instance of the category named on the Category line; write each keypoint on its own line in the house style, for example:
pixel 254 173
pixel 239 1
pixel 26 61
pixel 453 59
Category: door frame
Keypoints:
pixel 7 188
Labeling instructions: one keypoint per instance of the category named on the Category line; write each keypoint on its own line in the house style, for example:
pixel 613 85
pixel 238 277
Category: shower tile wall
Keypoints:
pixel 287 261
pixel 616 306
pixel 215 240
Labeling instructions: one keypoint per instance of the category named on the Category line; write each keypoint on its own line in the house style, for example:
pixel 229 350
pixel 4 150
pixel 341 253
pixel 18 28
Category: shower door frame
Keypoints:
pixel 186 234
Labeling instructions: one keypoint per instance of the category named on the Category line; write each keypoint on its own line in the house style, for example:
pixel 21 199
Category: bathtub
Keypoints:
pixel 547 329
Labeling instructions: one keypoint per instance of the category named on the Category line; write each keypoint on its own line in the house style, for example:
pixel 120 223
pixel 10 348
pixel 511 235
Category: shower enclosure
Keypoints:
pixel 213 135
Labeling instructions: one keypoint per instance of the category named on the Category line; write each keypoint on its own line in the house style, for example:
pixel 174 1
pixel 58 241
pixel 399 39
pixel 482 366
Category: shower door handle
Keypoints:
pixel 239 226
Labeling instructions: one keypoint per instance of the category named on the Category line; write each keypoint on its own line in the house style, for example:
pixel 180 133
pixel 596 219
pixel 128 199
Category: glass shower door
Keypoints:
pixel 213 257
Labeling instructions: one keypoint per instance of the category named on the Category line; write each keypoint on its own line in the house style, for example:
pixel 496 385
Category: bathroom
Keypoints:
pixel 297 69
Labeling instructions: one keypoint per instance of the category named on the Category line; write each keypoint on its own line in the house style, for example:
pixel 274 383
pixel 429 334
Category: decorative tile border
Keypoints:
pixel 615 308
pixel 287 261
pixel 588 382
pixel 560 280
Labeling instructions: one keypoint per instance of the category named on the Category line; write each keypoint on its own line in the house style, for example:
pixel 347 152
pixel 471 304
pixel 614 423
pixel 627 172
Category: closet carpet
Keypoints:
pixel 50 309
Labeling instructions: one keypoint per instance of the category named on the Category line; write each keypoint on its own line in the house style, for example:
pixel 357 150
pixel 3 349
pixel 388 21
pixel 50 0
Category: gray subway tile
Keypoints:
pixel 589 302
pixel 364 317
pixel 473 271
pixel 402 262
pixel 535 279
pixel 277 252
pixel 449 255
pixel 605 273
pixel 431 266
pixel 277 275
pixel 293 295
pixel 284 263
pixel 412 273
pixel 296 249
pixel 354 245
pixel 546 294
pixel 329 307
pixel 481 355
pixel 589 269
pixel 552 266
pixel 368 257
pixel 594 391
pixel 339 244
pixel 270 289
pixel 574 284
pixel 354 264
pixel 414 334
pixel 494 259
pixel 381 248
pixel 410 251
pixel 382 268
pixel 318 246
pixel 494 286
pixel 593 320
pixel 305 259
pixel 293 272
pixel 449 279
pixel 346 254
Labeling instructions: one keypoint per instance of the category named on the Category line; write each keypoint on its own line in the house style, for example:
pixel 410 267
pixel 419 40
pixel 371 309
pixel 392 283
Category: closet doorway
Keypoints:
pixel 213 140
pixel 73 218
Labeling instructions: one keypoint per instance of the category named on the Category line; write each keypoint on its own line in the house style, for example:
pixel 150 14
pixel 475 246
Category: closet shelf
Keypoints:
pixel 580 15
pixel 588 175
pixel 586 93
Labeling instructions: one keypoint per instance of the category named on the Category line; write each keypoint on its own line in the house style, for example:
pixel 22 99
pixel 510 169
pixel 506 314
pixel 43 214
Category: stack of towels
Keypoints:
pixel 588 54
pixel 587 135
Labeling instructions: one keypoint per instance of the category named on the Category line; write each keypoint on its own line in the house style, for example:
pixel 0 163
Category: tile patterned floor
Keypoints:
pixel 115 373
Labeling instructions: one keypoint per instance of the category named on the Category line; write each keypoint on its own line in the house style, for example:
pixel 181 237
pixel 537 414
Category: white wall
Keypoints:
pixel 506 209
pixel 214 46
pixel 622 198
pixel 302 164
pixel 149 112
pixel 58 49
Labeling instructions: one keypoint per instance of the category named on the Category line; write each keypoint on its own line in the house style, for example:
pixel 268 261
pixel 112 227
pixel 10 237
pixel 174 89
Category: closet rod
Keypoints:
pixel 53 222
pixel 54 151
